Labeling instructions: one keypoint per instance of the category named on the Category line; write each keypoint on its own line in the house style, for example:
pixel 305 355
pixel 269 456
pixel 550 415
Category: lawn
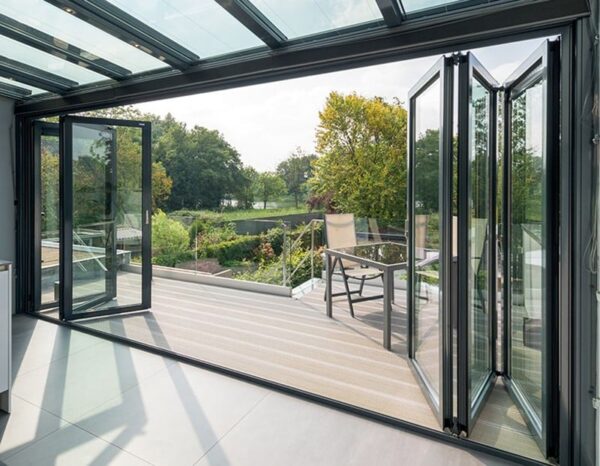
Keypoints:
pixel 248 214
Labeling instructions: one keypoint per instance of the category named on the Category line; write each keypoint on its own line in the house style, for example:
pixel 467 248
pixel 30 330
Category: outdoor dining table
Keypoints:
pixel 384 256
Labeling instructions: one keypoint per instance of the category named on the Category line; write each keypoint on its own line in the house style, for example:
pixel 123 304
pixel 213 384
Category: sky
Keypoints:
pixel 266 122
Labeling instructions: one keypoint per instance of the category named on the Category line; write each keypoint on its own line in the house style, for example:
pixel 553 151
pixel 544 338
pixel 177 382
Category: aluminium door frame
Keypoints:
pixel 547 56
pixel 469 68
pixel 66 311
pixel 442 71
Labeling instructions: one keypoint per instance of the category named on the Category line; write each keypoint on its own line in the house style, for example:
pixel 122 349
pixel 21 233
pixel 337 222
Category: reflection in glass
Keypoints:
pixel 49 193
pixel 478 231
pixel 47 62
pixel 202 26
pixel 107 216
pixel 427 238
pixel 297 18
pixel 68 29
pixel 527 248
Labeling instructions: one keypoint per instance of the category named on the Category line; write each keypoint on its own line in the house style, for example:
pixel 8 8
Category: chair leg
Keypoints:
pixel 345 278
pixel 362 284
pixel 332 269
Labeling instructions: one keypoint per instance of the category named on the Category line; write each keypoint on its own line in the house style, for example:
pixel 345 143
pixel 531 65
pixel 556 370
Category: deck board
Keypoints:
pixel 292 342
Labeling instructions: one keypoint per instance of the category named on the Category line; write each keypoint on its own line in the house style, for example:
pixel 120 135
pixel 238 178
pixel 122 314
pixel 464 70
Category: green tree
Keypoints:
pixel 245 190
pixel 295 171
pixel 268 186
pixel 361 144
pixel 205 169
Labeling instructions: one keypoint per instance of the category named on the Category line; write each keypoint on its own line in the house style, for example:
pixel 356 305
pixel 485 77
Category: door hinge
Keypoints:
pixel 596 403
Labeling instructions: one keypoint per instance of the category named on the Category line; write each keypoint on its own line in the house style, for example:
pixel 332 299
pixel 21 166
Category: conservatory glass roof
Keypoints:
pixel 60 46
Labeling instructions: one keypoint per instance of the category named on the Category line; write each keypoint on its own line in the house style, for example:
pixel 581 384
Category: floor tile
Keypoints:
pixel 174 417
pixel 71 386
pixel 45 342
pixel 285 430
pixel 72 446
pixel 25 424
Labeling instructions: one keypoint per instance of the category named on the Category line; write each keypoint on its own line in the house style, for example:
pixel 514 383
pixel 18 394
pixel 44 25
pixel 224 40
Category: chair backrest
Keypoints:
pixel 374 230
pixel 340 230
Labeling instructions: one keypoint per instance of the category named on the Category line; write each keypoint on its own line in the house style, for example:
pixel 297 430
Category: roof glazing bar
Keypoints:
pixel 35 77
pixel 251 17
pixel 392 11
pixel 14 92
pixel 47 43
pixel 116 22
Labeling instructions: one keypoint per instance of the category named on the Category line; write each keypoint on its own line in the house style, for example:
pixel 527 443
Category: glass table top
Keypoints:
pixel 384 253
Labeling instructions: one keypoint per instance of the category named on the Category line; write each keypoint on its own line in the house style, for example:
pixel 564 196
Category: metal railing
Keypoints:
pixel 289 247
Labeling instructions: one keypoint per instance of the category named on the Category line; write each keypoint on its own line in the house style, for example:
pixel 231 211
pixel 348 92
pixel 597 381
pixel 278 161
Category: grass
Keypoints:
pixel 248 214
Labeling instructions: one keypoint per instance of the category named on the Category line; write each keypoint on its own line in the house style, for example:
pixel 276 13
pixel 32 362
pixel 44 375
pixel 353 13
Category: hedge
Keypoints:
pixel 237 249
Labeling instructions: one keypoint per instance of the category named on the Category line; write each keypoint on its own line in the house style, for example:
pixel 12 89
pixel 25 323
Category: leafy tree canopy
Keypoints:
pixel 361 144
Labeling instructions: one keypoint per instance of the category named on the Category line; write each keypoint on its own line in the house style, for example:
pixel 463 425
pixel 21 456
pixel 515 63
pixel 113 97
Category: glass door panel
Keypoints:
pixel 476 237
pixel 47 187
pixel 430 160
pixel 530 242
pixel 106 216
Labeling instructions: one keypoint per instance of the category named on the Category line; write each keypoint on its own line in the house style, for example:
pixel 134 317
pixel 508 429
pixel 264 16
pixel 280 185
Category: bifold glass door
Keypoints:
pixel 452 316
pixel 105 216
pixel 476 343
pixel 531 115
pixel 429 207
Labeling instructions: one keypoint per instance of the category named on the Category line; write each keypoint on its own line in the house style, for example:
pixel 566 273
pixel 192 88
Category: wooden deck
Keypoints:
pixel 292 342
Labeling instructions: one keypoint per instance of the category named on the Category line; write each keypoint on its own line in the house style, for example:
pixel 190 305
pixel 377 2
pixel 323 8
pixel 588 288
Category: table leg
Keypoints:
pixel 388 288
pixel 328 284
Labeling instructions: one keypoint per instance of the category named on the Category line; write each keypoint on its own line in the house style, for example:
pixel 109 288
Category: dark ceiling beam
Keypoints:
pixel 496 23
pixel 114 21
pixel 392 12
pixel 251 17
pixel 35 77
pixel 14 92
pixel 49 44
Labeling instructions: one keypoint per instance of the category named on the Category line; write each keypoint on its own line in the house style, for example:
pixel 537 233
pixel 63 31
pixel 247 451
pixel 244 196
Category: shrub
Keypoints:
pixel 208 232
pixel 271 272
pixel 274 236
pixel 238 249
pixel 170 242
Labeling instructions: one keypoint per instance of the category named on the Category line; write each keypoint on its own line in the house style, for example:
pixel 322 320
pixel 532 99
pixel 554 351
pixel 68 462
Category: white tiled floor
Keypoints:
pixel 81 400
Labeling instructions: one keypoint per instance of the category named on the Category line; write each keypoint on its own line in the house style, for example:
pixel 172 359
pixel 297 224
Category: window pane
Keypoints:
pixel 296 18
pixel 67 28
pixel 527 248
pixel 201 26
pixel 47 62
pixel 427 234
pixel 49 218
pixel 479 191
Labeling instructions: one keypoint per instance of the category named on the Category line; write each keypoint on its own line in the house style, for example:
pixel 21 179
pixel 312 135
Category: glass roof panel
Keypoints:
pixel 297 18
pixel 46 62
pixel 412 6
pixel 34 90
pixel 44 17
pixel 201 26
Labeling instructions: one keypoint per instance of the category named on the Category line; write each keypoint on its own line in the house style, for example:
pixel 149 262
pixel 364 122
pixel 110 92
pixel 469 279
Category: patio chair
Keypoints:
pixel 341 233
